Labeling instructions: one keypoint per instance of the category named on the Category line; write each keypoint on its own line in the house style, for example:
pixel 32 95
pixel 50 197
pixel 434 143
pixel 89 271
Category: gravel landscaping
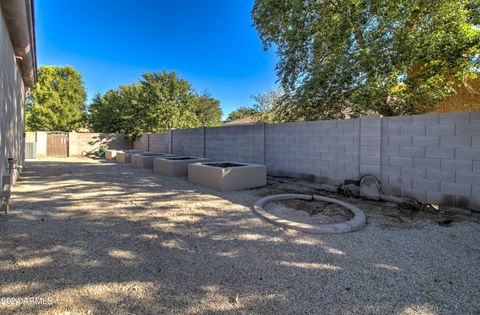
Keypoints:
pixel 92 237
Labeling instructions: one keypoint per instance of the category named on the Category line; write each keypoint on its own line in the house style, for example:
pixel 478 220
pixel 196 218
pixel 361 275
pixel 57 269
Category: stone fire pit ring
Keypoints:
pixel 356 223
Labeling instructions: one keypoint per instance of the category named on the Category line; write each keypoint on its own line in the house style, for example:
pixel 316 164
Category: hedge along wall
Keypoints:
pixel 432 158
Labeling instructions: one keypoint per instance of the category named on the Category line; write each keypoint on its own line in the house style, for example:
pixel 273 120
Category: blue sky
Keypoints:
pixel 211 43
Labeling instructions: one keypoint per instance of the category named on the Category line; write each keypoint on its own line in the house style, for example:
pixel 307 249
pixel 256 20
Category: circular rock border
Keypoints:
pixel 356 223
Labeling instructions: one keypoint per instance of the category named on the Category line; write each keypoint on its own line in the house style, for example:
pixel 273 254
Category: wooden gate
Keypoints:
pixel 57 144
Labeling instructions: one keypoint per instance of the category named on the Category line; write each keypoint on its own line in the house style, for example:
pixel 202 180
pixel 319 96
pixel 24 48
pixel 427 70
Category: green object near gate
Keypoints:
pixel 101 153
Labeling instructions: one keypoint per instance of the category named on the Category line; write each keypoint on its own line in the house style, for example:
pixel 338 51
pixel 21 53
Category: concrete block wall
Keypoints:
pixel 370 146
pixel 326 151
pixel 154 142
pixel 88 142
pixel 141 143
pixel 188 142
pixel 242 143
pixel 159 142
pixel 79 142
pixel 433 158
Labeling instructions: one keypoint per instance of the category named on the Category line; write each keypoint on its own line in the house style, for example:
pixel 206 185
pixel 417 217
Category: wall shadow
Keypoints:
pixel 112 238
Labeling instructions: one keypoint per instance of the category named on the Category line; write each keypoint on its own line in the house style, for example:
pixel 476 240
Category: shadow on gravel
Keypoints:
pixel 111 238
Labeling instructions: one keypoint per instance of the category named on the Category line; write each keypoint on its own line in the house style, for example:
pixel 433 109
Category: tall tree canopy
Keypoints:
pixel 263 110
pixel 57 103
pixel 390 56
pixel 207 109
pixel 242 112
pixel 167 102
pixel 159 102
pixel 266 105
pixel 117 111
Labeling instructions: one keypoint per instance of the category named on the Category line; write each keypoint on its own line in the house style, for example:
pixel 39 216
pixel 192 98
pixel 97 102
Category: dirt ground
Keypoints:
pixel 311 212
pixel 89 237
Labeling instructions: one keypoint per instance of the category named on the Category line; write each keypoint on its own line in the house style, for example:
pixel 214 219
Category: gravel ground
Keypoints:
pixel 88 237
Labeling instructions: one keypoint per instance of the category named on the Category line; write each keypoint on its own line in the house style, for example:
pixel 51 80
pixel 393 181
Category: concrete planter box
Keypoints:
pixel 145 160
pixel 124 156
pixel 112 154
pixel 175 165
pixel 227 176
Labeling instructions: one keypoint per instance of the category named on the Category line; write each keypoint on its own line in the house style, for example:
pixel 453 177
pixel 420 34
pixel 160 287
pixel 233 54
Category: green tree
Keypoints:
pixel 159 102
pixel 168 102
pixel 207 109
pixel 242 112
pixel 57 103
pixel 391 57
pixel 116 111
pixel 266 105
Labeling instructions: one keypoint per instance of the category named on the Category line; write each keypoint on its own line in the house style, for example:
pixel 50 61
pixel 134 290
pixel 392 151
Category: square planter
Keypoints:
pixel 145 160
pixel 175 165
pixel 111 155
pixel 227 176
pixel 124 156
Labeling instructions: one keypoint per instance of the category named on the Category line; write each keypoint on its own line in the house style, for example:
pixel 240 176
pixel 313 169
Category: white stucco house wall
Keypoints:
pixel 18 66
